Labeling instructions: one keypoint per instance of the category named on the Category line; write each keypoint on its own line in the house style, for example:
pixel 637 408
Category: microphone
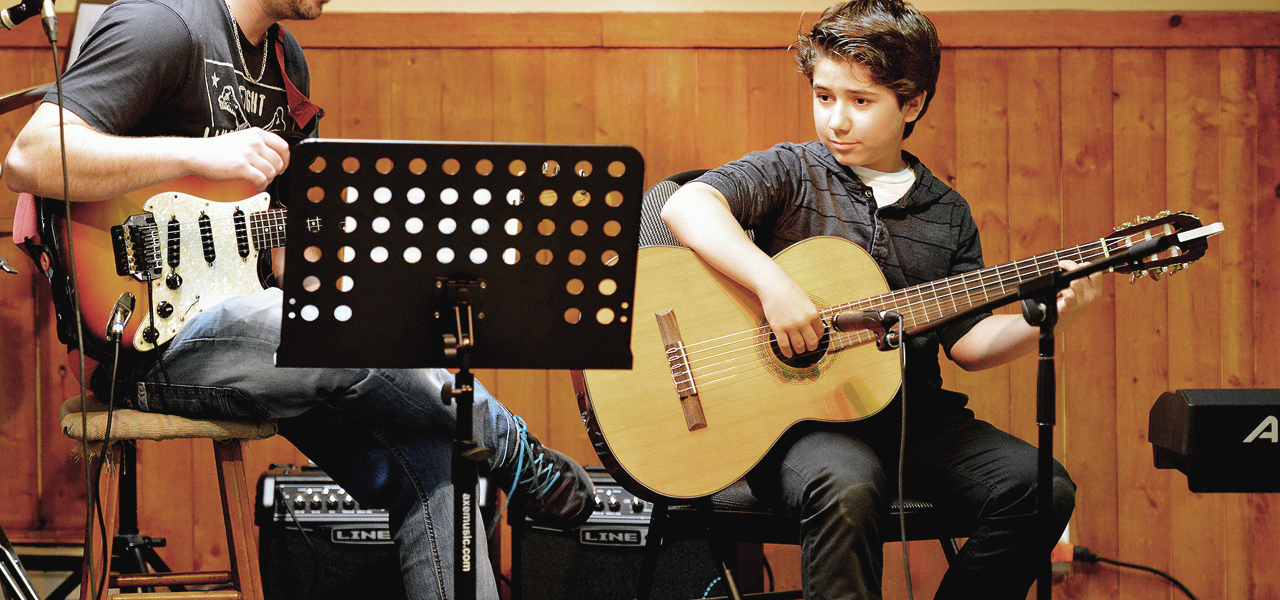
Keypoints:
pixel 119 316
pixel 11 17
pixel 859 320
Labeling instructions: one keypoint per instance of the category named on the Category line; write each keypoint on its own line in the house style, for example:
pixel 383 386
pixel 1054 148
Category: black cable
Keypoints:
pixel 106 452
pixel 1082 554
pixel 902 452
pixel 91 489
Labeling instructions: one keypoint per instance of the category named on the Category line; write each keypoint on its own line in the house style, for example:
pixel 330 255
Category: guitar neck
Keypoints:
pixel 266 228
pixel 931 304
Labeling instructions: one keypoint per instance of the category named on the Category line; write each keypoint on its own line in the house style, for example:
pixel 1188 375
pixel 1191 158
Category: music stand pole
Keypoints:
pixel 467 452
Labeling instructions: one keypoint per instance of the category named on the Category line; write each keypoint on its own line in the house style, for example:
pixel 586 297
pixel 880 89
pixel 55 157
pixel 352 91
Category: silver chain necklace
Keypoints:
pixel 235 27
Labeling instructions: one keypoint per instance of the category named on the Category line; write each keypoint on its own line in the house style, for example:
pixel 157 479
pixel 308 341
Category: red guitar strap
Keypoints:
pixel 301 108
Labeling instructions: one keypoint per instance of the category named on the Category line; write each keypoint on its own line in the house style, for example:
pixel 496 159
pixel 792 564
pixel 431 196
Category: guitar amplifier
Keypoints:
pixel 601 559
pixel 315 540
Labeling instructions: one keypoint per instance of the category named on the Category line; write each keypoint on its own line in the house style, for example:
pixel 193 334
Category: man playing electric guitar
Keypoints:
pixel 165 89
pixel 873 65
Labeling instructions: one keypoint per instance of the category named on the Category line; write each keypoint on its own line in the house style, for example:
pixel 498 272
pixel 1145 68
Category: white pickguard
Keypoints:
pixel 203 284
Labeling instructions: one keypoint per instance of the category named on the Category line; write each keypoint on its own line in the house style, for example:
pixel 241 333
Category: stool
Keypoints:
pixel 128 426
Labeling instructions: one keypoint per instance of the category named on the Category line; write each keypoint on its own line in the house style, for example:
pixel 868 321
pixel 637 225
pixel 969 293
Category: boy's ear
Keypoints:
pixel 914 106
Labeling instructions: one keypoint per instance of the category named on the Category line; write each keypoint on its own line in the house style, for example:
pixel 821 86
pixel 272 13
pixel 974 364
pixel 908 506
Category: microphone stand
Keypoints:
pixel 1039 298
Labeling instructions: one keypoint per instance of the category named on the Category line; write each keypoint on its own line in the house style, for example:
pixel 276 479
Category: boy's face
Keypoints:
pixel 858 121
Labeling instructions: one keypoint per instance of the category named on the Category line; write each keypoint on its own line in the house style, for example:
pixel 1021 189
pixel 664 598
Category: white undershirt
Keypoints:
pixel 888 187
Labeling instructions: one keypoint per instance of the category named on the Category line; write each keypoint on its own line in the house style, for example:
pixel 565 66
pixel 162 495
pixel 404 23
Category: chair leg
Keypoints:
pixel 237 510
pixel 99 556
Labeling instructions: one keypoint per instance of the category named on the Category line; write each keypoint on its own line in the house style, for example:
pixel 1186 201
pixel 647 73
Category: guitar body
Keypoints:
pixel 748 395
pixel 194 284
pixel 99 284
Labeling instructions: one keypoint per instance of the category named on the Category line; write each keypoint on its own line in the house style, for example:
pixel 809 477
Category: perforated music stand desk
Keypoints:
pixel 551 231
pixel 466 255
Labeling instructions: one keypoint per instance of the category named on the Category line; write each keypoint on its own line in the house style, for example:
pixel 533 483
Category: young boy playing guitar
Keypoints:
pixel 874 65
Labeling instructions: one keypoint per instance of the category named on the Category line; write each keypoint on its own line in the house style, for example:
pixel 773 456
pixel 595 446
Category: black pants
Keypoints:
pixel 837 480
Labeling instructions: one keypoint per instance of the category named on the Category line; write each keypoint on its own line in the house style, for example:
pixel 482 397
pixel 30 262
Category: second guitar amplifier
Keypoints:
pixel 601 559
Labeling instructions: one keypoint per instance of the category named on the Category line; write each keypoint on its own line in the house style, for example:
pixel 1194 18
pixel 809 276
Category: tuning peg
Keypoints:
pixel 1136 276
pixel 1124 225
pixel 1164 213
pixel 1155 273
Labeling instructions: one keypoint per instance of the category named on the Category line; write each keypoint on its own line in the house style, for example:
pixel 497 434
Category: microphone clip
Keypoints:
pixel 878 322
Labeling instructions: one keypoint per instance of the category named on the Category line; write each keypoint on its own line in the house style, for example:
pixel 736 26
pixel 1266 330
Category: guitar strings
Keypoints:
pixel 725 352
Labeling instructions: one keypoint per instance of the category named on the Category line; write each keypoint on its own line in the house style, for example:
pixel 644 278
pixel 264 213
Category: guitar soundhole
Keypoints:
pixel 803 360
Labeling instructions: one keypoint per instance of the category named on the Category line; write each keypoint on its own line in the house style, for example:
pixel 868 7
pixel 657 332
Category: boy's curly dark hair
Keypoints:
pixel 891 38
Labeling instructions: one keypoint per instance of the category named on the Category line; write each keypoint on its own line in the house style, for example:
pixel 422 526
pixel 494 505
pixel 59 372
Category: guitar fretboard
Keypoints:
pixel 267 228
pixel 928 305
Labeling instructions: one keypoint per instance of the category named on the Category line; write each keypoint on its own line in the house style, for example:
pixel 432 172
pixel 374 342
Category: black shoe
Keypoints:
pixel 554 490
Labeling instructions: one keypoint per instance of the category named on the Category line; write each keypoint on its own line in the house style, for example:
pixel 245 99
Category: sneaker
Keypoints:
pixel 554 490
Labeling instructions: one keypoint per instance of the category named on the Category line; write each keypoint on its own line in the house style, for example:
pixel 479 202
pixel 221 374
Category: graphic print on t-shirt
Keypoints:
pixel 236 104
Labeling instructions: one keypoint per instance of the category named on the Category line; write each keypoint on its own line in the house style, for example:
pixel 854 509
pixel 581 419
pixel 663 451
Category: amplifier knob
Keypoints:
pixel 614 504
pixel 315 501
pixel 348 503
pixel 599 503
pixel 637 505
pixel 299 501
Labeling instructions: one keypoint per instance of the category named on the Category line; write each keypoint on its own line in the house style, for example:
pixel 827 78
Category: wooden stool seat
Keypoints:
pixel 237 497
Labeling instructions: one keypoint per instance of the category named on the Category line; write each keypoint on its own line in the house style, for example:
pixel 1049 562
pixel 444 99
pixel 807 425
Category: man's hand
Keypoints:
pixel 252 155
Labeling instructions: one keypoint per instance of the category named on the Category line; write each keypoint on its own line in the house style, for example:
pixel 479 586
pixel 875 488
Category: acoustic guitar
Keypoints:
pixel 709 392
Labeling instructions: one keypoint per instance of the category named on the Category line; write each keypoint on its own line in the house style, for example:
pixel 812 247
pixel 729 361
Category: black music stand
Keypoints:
pixel 460 255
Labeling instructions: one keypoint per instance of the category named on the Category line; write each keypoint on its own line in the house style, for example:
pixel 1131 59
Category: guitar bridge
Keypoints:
pixel 681 373
pixel 136 246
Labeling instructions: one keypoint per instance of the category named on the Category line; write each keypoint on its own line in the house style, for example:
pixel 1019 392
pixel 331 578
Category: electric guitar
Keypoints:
pixel 709 392
pixel 190 242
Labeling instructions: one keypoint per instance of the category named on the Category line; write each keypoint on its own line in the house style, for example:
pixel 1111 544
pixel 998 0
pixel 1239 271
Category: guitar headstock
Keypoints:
pixel 1171 260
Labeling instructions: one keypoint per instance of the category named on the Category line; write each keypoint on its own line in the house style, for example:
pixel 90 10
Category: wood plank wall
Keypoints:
pixel 1055 126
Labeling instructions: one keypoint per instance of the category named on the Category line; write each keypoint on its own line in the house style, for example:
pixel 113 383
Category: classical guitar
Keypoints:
pixel 709 393
pixel 190 242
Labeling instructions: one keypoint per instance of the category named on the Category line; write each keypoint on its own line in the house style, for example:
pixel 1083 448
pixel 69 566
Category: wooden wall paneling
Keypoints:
pixel 520 88
pixel 570 97
pixel 982 80
pixel 19 364
pixel 467 102
pixel 1238 142
pixel 364 105
pixel 1238 130
pixel 1141 320
pixel 1088 429
pixel 621 90
pixel 326 88
pixel 1265 508
pixel 21 410
pixel 1191 80
pixel 772 110
pixel 671 113
pixel 723 102
pixel 416 94
pixel 1035 206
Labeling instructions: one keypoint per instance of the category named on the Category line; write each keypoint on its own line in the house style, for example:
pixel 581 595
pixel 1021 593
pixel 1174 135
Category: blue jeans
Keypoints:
pixel 383 434
pixel 837 481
